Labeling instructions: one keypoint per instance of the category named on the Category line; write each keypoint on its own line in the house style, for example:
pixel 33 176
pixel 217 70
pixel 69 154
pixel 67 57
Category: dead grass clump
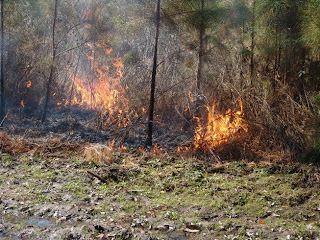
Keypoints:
pixel 54 148
pixel 12 146
pixel 42 147
pixel 277 123
pixel 98 153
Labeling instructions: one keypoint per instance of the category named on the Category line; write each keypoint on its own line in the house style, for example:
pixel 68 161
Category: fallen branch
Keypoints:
pixel 6 116
pixel 212 153
pixel 97 176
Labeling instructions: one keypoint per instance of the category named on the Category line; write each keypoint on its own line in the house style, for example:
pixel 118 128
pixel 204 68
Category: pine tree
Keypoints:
pixel 311 27
pixel 197 16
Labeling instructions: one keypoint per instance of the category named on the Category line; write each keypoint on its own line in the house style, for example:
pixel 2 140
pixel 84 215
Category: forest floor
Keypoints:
pixel 157 197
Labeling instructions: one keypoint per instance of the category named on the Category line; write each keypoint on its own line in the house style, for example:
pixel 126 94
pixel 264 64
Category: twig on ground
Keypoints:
pixel 212 153
pixel 6 116
pixel 97 176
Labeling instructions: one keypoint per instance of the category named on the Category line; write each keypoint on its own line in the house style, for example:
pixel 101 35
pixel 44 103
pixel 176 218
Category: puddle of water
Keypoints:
pixel 34 222
pixel 42 223
pixel 175 236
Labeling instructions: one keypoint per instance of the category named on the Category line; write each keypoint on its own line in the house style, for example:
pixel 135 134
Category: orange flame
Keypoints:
pixel 219 128
pixel 156 150
pixel 103 91
pixel 28 84
pixel 22 103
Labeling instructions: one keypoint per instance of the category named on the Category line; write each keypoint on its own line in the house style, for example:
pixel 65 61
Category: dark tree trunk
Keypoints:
pixel 153 78
pixel 252 42
pixel 275 68
pixel 53 63
pixel 2 99
pixel 200 61
pixel 242 53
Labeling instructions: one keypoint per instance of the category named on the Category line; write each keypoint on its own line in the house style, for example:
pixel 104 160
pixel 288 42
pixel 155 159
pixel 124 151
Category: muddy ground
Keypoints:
pixel 141 196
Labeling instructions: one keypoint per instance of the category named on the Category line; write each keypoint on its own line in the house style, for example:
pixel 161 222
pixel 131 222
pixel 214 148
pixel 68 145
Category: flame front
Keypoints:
pixel 219 128
pixel 22 103
pixel 101 90
pixel 104 94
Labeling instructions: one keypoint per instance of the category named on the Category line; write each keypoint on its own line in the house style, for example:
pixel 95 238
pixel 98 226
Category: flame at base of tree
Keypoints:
pixel 218 129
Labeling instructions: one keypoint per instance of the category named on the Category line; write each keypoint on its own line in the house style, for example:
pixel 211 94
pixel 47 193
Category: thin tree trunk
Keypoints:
pixel 153 78
pixel 242 52
pixel 286 67
pixel 242 63
pixel 200 62
pixel 275 68
pixel 252 42
pixel 2 98
pixel 53 64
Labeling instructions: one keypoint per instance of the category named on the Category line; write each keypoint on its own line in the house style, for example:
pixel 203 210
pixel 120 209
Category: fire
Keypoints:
pixel 22 103
pixel 156 150
pixel 219 128
pixel 101 89
pixel 183 149
pixel 28 84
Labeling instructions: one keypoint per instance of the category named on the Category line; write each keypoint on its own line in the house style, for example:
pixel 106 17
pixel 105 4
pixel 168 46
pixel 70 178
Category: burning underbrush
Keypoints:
pixel 79 132
pixel 96 109
pixel 98 87
pixel 247 130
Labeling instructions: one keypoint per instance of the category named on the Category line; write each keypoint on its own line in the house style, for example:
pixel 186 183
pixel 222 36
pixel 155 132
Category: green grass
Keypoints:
pixel 234 200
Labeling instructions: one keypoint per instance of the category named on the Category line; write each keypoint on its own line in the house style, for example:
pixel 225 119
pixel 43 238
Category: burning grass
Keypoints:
pixel 219 128
pixel 100 88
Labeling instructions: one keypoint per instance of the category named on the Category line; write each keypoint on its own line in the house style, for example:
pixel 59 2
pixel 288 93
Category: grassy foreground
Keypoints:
pixel 157 197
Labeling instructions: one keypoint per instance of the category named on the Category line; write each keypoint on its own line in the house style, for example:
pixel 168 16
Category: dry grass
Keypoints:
pixel 98 153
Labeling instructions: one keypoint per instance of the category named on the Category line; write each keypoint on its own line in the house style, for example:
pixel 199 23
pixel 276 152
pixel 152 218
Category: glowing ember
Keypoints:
pixel 219 128
pixel 22 103
pixel 28 84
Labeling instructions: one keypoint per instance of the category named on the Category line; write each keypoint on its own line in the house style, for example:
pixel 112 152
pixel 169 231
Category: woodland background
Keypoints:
pixel 264 52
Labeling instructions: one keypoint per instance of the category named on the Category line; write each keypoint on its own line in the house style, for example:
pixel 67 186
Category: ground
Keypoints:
pixel 156 197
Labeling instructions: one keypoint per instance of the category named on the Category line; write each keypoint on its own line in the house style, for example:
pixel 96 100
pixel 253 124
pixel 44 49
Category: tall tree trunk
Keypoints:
pixel 2 99
pixel 242 52
pixel 275 68
pixel 200 61
pixel 252 41
pixel 53 63
pixel 286 66
pixel 153 78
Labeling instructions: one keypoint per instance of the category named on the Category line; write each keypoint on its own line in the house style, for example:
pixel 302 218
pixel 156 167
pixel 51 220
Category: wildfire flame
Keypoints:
pixel 157 150
pixel 22 103
pixel 101 95
pixel 219 128
pixel 103 92
pixel 28 84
